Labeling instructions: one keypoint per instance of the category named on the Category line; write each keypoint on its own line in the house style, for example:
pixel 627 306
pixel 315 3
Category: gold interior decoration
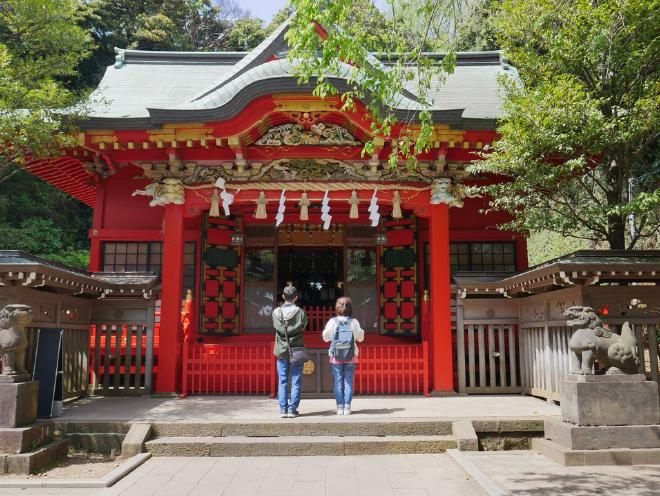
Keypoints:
pixel 304 103
pixel 309 368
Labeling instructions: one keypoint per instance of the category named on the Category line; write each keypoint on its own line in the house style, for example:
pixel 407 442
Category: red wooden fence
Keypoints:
pixel 227 369
pixel 393 369
pixel 250 369
pixel 317 317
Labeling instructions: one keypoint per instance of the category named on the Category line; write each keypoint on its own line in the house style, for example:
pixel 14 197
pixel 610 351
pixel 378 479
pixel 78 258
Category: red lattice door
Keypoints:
pixel 399 308
pixel 221 269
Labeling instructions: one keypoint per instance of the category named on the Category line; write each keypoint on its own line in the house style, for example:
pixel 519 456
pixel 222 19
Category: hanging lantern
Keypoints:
pixel 260 212
pixel 374 216
pixel 279 218
pixel 325 211
pixel 396 206
pixel 354 202
pixel 214 211
pixel 304 204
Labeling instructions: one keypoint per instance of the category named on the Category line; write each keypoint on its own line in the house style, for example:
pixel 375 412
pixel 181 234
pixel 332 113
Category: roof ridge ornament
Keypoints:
pixel 119 58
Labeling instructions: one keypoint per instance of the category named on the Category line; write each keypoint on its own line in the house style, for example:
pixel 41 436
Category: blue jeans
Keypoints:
pixel 283 368
pixel 343 375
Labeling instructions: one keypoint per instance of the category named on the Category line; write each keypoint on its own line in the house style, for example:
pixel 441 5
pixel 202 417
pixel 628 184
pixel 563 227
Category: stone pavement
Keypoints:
pixel 378 475
pixel 214 408
pixel 525 473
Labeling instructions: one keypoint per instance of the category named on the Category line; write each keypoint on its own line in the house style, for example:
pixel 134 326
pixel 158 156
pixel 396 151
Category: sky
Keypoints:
pixel 266 9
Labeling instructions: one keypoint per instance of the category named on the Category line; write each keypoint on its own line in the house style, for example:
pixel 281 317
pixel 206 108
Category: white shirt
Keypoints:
pixel 331 327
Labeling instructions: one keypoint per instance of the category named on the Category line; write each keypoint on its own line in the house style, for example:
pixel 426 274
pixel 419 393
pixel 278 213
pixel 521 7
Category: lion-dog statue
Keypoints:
pixel 13 338
pixel 616 354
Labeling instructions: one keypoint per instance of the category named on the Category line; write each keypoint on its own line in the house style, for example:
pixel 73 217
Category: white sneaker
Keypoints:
pixel 340 411
pixel 347 409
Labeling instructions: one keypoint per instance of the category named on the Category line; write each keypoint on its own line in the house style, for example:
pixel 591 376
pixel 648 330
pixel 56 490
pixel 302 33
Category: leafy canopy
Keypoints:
pixel 40 44
pixel 354 28
pixel 582 124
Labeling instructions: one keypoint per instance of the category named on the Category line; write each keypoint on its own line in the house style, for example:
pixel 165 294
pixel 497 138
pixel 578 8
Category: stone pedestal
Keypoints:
pixel 18 402
pixel 606 420
pixel 25 445
pixel 610 400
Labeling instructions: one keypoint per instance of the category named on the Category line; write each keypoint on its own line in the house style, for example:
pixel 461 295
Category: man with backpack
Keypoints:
pixel 289 322
pixel 343 331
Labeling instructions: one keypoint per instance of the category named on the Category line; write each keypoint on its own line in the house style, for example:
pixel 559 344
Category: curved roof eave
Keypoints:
pixel 244 95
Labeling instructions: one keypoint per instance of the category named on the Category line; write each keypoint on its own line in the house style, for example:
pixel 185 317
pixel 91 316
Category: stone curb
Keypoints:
pixel 106 481
pixel 485 482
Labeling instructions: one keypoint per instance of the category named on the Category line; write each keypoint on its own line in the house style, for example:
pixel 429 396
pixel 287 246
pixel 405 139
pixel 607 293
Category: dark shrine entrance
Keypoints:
pixel 317 272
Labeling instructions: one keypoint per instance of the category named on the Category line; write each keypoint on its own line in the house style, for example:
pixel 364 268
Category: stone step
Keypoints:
pixel 303 427
pixel 298 445
pixel 614 456
pixel 577 437
pixel 21 439
pixel 26 463
pixel 97 436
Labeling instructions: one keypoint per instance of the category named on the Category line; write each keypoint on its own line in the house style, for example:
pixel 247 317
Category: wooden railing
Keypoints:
pixel 545 359
pixel 317 317
pixel 75 358
pixel 487 357
pixel 121 359
pixel 393 369
pixel 227 369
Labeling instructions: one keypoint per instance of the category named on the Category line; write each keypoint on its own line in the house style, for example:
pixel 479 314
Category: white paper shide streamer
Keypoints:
pixel 325 211
pixel 226 196
pixel 374 216
pixel 279 218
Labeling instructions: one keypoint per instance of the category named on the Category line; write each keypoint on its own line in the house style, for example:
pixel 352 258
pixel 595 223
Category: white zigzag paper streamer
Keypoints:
pixel 374 216
pixel 279 218
pixel 325 211
pixel 226 196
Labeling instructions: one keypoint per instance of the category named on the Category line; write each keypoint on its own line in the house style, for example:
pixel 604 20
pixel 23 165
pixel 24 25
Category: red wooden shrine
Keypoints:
pixel 179 132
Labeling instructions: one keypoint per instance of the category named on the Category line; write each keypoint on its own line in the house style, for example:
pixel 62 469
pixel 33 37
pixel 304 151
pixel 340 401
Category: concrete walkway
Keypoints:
pixel 381 475
pixel 525 473
pixel 217 408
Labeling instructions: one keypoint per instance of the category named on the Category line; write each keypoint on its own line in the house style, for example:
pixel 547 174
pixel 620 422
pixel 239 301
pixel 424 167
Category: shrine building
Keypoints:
pixel 228 179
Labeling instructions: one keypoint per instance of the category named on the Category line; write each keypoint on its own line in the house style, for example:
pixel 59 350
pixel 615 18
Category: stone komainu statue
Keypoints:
pixel 13 339
pixel 616 354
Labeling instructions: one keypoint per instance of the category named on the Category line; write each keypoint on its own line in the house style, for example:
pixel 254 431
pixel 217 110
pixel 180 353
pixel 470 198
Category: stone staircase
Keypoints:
pixel 24 450
pixel 301 438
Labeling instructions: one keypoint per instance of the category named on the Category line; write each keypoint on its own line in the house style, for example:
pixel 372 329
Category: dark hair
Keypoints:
pixel 344 306
pixel 289 293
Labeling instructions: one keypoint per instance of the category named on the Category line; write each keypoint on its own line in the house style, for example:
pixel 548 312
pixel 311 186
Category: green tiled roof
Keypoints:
pixel 146 89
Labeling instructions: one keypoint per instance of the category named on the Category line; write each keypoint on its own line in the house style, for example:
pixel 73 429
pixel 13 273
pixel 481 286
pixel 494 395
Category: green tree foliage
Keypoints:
pixel 37 218
pixel 582 121
pixel 195 25
pixel 244 35
pixel 40 43
pixel 411 28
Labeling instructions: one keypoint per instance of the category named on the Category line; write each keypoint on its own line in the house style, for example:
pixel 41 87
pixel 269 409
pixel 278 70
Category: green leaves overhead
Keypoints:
pixel 40 43
pixel 584 123
pixel 354 29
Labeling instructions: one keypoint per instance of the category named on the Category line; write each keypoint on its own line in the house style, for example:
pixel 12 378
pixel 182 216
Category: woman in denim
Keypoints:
pixel 343 372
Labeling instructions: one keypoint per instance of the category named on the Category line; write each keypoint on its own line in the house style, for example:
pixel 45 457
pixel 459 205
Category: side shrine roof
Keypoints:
pixel 584 267
pixel 145 89
pixel 20 268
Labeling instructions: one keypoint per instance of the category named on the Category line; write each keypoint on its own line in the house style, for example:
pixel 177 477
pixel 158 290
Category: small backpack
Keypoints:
pixel 343 344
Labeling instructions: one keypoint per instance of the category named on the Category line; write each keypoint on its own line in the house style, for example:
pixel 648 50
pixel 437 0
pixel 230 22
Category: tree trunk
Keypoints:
pixel 616 232
pixel 616 223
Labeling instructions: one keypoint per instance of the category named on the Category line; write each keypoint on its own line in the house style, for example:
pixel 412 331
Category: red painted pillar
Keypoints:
pixel 172 293
pixel 442 379
pixel 95 247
